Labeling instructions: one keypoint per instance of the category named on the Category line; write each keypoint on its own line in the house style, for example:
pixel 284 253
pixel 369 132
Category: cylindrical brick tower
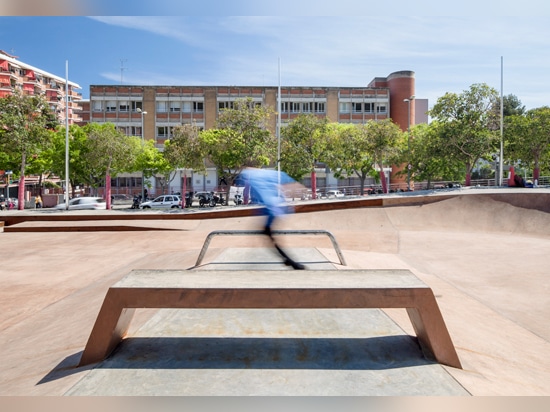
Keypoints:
pixel 402 87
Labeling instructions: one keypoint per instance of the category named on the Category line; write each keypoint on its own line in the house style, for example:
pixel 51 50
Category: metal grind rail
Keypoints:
pixel 274 232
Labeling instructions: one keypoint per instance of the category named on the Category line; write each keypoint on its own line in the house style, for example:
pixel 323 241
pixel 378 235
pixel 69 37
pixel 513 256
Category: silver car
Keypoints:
pixel 164 201
pixel 84 203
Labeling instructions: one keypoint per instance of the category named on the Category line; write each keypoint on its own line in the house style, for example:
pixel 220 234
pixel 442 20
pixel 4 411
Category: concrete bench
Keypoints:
pixel 305 232
pixel 331 289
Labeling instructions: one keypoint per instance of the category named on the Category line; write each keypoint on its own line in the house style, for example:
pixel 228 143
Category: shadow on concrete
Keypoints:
pixel 375 353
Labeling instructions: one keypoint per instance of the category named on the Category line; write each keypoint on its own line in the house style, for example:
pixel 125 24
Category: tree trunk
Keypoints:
pixel 21 195
pixel 108 190
pixel 313 184
pixel 383 181
pixel 468 175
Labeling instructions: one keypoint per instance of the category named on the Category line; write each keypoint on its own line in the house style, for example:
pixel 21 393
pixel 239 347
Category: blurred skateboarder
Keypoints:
pixel 266 188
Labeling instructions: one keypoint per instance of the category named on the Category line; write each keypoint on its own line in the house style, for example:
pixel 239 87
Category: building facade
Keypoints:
pixel 30 80
pixel 151 112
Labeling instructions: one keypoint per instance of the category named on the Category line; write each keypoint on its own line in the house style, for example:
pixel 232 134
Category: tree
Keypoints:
pixel 108 152
pixel 512 105
pixel 24 122
pixel 528 138
pixel 304 143
pixel 241 139
pixel 152 162
pixel 348 153
pixel 428 159
pixel 383 139
pixel 468 124
pixel 185 150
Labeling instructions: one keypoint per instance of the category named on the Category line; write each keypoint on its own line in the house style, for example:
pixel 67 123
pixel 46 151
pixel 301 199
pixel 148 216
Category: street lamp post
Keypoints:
pixel 408 101
pixel 143 113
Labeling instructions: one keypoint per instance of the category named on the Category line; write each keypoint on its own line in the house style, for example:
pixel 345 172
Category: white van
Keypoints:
pixel 334 194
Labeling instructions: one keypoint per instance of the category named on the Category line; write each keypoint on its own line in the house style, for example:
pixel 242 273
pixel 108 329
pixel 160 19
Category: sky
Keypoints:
pixel 447 53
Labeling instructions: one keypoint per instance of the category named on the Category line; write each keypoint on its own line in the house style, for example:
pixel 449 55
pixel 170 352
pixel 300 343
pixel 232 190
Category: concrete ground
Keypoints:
pixel 485 258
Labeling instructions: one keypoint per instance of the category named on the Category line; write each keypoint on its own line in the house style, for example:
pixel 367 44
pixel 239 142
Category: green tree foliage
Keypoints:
pixel 384 140
pixel 24 123
pixel 347 152
pixel 428 159
pixel 108 152
pixel 185 150
pixel 512 106
pixel 468 123
pixel 528 138
pixel 78 171
pixel 241 139
pixel 304 143
pixel 152 162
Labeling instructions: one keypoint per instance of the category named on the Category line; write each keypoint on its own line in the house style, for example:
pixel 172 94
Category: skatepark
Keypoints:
pixel 483 253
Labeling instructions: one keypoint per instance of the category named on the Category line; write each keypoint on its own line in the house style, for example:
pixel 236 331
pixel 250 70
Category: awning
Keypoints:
pixel 4 65
pixel 28 87
pixel 31 75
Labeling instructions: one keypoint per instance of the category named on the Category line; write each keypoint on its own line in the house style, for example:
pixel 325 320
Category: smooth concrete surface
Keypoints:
pixel 486 259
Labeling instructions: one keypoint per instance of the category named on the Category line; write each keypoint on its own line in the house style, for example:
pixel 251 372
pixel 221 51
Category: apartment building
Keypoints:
pixel 153 111
pixel 30 80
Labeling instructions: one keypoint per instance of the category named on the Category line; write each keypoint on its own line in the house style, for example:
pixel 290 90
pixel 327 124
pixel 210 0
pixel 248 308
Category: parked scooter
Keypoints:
pixel 136 202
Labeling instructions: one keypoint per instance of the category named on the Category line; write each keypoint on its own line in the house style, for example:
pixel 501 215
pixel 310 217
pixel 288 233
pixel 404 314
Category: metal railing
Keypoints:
pixel 274 232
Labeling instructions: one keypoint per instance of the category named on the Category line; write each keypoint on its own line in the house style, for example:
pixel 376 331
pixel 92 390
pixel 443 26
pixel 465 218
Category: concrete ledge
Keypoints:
pixel 331 289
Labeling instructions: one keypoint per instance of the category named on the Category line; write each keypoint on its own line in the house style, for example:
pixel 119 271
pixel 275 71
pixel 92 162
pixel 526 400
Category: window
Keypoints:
pixel 285 107
pixel 295 107
pixel 307 107
pixel 163 132
pixel 319 107
pixel 135 131
pixel 369 107
pixel 225 105
pixel 381 108
pixel 344 107
pixel 110 106
pixel 357 107
pixel 198 107
pixel 187 107
pixel 162 107
pixel 136 105
pixel 175 106
pixel 123 106
pixel 97 106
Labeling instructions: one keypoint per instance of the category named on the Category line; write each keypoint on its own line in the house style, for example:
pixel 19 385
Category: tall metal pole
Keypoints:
pixel 142 144
pixel 279 125
pixel 66 135
pixel 501 168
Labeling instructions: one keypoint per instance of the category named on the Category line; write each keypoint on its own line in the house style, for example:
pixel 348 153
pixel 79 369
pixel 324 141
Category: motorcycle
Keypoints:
pixel 136 202
pixel 218 199
pixel 206 199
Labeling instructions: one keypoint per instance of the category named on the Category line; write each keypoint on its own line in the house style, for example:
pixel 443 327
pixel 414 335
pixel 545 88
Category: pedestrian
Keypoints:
pixel 266 188
pixel 38 202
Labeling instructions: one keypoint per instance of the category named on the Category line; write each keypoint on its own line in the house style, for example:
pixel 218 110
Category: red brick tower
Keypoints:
pixel 402 86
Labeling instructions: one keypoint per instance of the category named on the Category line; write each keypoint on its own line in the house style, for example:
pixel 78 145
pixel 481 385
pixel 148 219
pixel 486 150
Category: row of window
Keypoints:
pixel 303 107
pixel 198 107
pixel 362 107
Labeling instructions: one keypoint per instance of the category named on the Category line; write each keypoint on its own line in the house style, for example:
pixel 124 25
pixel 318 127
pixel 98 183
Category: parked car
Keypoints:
pixel 334 194
pixel 84 203
pixel 163 202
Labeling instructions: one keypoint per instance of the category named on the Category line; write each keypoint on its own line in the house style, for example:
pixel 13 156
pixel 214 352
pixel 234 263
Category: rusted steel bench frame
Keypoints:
pixel 274 232
pixel 334 289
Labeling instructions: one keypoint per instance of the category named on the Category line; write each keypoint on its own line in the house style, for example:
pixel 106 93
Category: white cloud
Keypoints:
pixel 447 53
